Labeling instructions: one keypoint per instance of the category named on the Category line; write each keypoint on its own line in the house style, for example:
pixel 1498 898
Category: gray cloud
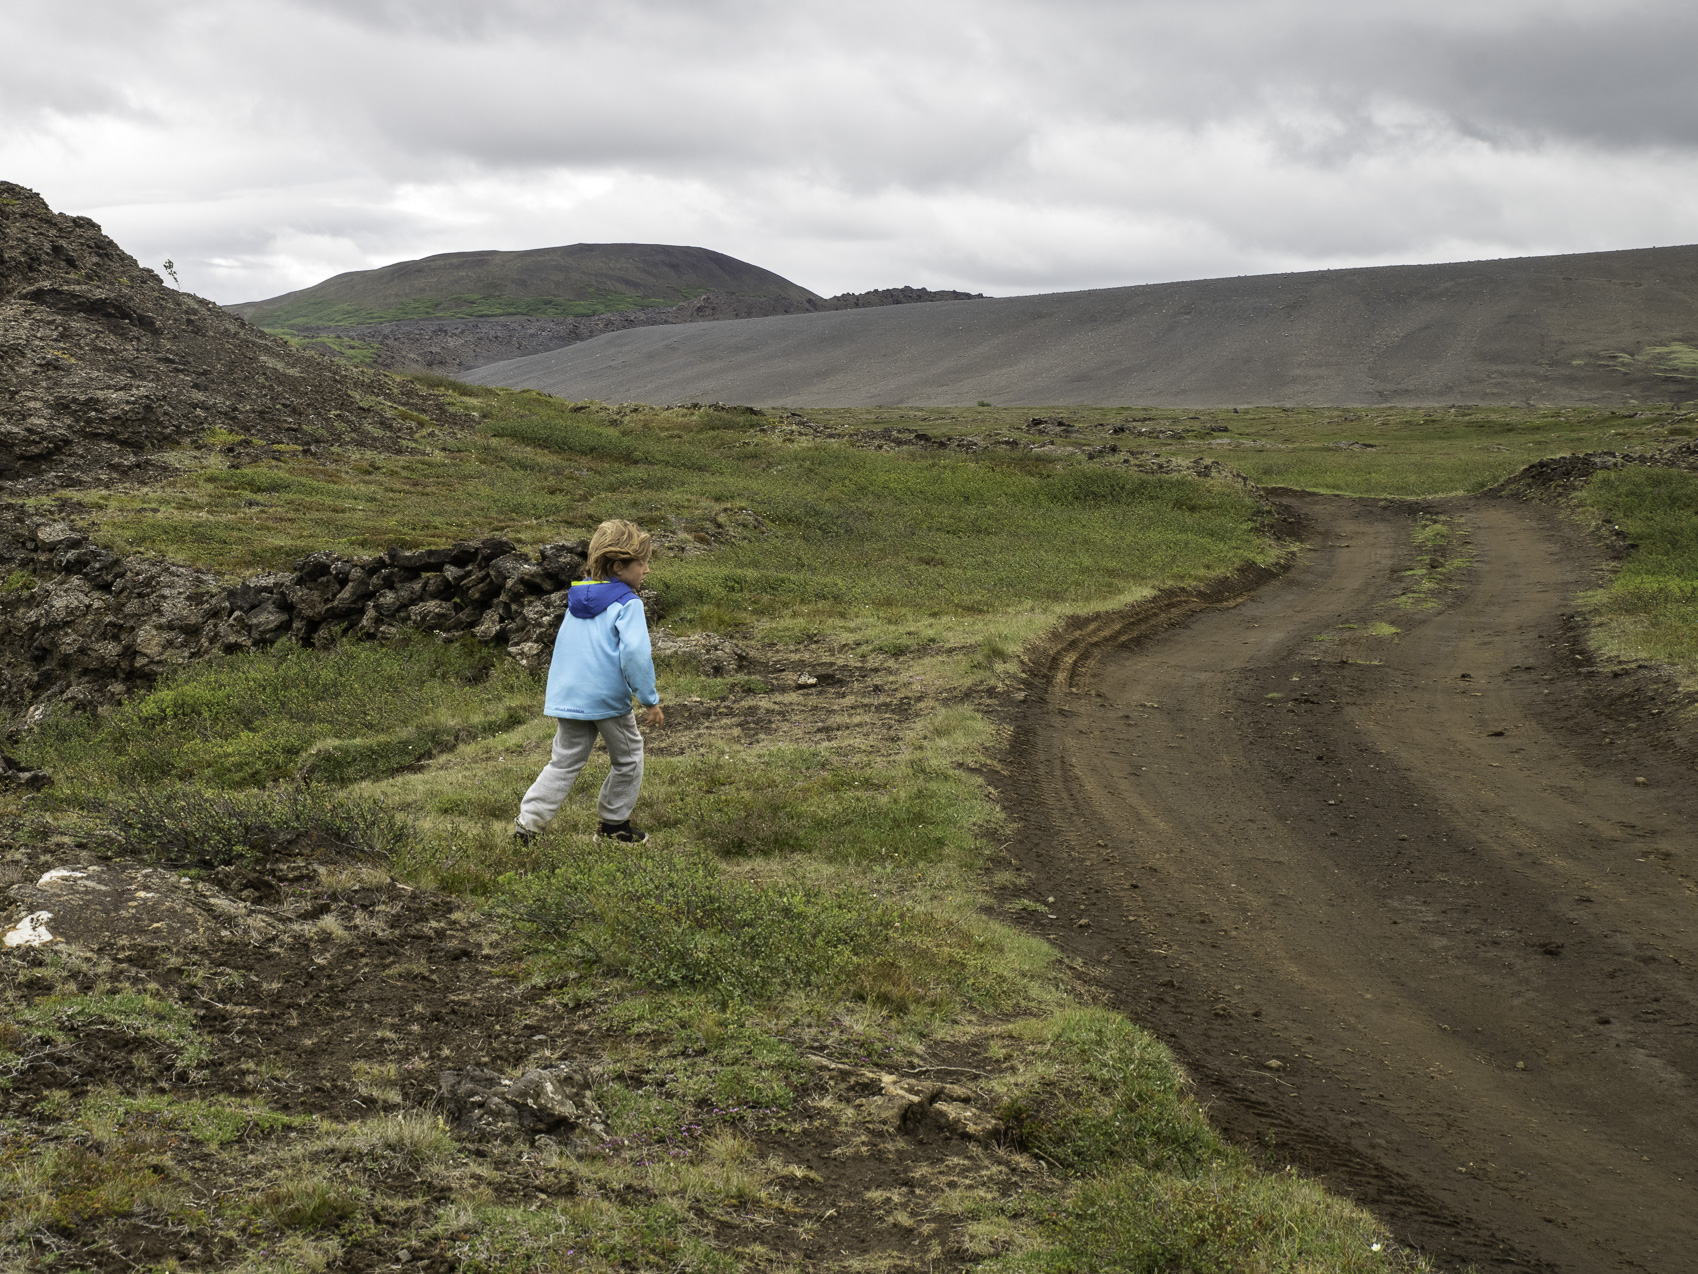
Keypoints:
pixel 988 143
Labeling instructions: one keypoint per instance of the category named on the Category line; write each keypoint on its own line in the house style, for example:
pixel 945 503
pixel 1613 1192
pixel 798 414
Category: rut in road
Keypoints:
pixel 1407 868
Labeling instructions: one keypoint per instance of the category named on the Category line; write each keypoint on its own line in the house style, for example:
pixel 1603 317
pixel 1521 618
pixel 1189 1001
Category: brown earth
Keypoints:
pixel 1415 910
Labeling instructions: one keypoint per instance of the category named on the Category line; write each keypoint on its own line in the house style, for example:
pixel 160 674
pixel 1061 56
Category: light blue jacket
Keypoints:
pixel 601 655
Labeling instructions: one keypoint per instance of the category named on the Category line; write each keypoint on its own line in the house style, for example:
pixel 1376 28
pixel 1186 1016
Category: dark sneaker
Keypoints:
pixel 523 835
pixel 622 832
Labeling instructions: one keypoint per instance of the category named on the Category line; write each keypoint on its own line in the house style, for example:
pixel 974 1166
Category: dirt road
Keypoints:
pixel 1398 902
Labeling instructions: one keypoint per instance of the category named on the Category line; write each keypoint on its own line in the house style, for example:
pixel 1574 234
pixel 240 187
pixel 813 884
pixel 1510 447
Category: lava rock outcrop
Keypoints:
pixel 101 364
pixel 81 627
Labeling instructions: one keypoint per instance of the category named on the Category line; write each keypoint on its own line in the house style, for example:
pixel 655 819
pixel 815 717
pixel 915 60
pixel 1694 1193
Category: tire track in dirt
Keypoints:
pixel 1460 927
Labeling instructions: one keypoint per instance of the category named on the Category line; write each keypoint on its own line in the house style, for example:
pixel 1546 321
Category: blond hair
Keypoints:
pixel 615 543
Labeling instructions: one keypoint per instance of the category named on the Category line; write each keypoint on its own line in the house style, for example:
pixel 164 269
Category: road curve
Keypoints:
pixel 1410 870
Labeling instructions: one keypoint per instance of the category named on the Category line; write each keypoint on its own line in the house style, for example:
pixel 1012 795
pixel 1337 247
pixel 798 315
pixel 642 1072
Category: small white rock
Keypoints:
pixel 31 931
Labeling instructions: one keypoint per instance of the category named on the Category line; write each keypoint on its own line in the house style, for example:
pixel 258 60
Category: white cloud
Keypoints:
pixel 990 144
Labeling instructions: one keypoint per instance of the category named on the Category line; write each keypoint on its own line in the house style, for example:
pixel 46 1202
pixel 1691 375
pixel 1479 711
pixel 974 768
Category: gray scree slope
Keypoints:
pixel 1516 330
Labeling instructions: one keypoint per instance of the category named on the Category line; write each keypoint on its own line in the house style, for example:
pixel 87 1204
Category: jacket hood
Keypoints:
pixel 588 598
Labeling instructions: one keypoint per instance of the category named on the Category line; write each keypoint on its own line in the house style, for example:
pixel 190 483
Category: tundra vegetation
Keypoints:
pixel 824 880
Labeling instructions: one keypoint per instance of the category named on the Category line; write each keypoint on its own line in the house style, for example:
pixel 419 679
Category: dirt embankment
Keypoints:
pixel 101 364
pixel 1405 880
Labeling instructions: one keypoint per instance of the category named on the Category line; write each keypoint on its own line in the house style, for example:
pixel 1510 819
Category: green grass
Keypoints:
pixel 1107 1094
pixel 677 921
pixel 363 352
pixel 288 713
pixel 1134 1221
pixel 847 523
pixel 1649 611
pixel 850 530
pixel 1158 1189
pixel 1413 452
pixel 105 1112
pixel 138 1015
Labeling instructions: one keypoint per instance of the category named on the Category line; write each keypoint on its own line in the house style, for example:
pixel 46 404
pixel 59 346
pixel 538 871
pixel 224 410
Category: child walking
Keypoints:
pixel 601 658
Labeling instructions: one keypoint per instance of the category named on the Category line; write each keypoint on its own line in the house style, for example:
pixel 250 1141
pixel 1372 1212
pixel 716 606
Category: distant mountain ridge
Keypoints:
pixel 570 281
pixel 1598 327
pixel 461 309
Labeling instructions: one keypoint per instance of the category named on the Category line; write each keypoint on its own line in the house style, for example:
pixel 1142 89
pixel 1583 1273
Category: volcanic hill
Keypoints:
pixel 1601 327
pixel 564 282
pixel 102 364
pixel 456 310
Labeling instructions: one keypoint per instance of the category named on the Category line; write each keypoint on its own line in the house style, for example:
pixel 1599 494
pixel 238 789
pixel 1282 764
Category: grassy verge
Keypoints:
pixel 1385 452
pixel 818 886
pixel 1649 611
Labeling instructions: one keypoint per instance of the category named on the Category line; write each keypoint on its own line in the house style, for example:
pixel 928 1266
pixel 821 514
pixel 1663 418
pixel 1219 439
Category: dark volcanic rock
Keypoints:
pixel 81 627
pixel 1557 475
pixel 101 363
pixel 547 1101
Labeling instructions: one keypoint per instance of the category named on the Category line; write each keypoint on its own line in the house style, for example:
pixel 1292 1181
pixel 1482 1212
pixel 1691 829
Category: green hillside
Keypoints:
pixel 565 282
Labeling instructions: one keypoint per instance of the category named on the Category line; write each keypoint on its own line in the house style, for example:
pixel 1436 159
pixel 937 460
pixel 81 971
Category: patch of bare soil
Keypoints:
pixel 1409 886
pixel 325 990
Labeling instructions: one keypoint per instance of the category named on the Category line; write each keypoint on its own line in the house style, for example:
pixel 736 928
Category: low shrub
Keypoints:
pixel 190 826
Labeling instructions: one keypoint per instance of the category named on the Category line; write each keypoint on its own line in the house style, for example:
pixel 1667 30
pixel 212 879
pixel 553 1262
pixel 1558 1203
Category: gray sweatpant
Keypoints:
pixel 572 743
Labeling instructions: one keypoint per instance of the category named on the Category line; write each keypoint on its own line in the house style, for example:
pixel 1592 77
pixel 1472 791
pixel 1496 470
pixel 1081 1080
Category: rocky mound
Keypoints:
pixel 101 363
pixel 1560 475
pixel 449 346
pixel 81 626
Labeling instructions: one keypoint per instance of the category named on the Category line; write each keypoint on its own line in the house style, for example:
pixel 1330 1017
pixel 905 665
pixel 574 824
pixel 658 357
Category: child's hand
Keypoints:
pixel 655 718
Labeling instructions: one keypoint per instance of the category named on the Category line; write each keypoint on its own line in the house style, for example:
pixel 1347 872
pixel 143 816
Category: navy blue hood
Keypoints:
pixel 588 598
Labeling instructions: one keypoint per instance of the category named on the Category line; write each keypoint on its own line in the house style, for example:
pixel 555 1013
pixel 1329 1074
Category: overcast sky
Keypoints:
pixel 1000 146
